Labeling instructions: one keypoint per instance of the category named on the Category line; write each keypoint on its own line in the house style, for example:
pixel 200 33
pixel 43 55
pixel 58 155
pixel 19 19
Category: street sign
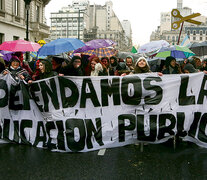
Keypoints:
pixel 176 13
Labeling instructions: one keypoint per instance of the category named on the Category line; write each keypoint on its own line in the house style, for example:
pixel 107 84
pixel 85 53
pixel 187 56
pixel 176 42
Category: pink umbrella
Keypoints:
pixel 19 45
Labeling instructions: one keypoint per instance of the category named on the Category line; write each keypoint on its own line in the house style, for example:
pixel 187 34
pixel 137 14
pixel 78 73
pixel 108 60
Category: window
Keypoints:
pixel 194 32
pixel 1 38
pixel 37 13
pixel 16 7
pixel 188 32
pixel 15 38
pixel 201 33
pixel 1 5
pixel 201 38
pixel 194 38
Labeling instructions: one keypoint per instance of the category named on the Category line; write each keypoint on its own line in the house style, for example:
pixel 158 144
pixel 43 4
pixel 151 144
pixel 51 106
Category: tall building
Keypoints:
pixel 179 4
pixel 70 21
pixel 128 31
pixel 87 22
pixel 104 24
pixel 13 20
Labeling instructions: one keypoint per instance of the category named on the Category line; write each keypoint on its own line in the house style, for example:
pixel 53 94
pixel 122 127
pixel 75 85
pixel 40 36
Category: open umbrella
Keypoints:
pixel 19 45
pixel 153 46
pixel 59 46
pixel 95 44
pixel 123 55
pixel 34 55
pixel 102 52
pixel 175 51
pixel 200 49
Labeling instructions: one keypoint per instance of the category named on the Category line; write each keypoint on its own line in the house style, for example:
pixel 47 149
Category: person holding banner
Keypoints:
pixel 45 68
pixel 114 67
pixel 74 68
pixel 141 66
pixel 16 71
pixel 171 67
pixel 189 68
pixel 97 68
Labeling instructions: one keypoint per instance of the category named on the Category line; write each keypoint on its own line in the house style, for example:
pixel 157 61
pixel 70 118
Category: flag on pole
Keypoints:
pixel 134 50
pixel 186 41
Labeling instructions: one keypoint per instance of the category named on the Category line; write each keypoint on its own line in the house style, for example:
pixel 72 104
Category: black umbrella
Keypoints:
pixel 200 49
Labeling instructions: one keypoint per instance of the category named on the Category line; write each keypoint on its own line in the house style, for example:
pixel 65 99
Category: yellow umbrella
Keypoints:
pixel 41 42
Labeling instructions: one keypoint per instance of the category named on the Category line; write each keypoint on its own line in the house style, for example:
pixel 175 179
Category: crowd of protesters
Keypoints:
pixel 82 65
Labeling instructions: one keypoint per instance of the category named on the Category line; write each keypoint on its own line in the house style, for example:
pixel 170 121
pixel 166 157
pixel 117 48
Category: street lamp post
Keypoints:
pixel 79 23
pixel 27 7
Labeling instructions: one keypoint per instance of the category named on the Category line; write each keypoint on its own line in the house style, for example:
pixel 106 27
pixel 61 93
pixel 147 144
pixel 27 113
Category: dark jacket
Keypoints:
pixel 48 70
pixel 71 71
pixel 16 72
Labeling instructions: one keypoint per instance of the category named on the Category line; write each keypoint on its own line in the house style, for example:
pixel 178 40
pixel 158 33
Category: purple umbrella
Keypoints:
pixel 95 44
pixel 6 55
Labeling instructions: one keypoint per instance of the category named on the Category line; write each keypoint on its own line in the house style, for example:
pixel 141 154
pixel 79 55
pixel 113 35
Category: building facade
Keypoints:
pixel 70 21
pixel 13 20
pixel 196 33
pixel 87 22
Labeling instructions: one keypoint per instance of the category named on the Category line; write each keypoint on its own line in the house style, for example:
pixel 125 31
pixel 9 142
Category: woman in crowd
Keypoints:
pixel 141 66
pixel 97 68
pixel 17 72
pixel 196 62
pixel 23 63
pixel 171 67
pixel 189 68
pixel 74 68
pixel 45 69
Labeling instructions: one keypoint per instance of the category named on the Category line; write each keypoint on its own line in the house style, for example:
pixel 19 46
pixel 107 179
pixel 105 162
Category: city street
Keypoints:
pixel 161 161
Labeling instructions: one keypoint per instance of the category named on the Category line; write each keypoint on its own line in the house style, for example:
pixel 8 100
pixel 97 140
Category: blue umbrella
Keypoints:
pixel 59 46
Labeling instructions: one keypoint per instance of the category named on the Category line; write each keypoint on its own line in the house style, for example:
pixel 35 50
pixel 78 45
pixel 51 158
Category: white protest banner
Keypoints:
pixel 80 114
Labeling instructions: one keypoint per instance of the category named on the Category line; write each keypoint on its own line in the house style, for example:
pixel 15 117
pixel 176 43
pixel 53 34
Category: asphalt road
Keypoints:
pixel 161 161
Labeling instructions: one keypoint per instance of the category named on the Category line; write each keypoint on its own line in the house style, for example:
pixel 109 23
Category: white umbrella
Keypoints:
pixel 152 47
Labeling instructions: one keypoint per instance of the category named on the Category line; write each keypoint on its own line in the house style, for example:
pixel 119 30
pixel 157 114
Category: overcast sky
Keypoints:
pixel 144 15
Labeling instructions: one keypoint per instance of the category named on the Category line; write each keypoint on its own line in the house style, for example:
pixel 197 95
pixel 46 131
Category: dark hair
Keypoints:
pixel 168 60
pixel 48 65
pixel 57 59
pixel 76 57
pixel 105 58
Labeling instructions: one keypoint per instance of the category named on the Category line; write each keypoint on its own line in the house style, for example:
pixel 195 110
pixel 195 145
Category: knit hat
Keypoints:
pixel 130 57
pixel 168 60
pixel 190 68
pixel 142 58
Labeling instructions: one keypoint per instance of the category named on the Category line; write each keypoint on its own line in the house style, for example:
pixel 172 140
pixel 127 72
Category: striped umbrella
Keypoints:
pixel 175 51
pixel 102 52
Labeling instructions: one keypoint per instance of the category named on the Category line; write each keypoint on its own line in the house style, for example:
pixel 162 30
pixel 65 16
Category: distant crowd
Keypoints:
pixel 82 65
